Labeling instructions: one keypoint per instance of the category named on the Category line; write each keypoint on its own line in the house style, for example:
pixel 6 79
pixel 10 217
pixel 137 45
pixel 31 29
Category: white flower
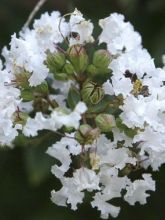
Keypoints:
pixel 86 179
pixel 152 143
pixel 118 35
pixel 56 120
pixel 137 62
pixel 72 145
pixel 68 194
pixel 9 100
pixel 61 153
pixel 117 157
pixel 31 59
pixel 50 30
pixel 134 111
pixel 136 191
pixel 121 85
pixel 101 202
pixel 79 25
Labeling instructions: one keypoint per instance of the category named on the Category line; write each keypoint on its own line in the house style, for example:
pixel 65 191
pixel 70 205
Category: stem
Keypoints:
pixel 33 13
pixel 59 28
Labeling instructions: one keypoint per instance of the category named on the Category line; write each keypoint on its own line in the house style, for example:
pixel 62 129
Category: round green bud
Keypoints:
pixel 55 61
pixel 105 122
pixel 92 93
pixel 92 70
pixel 101 60
pixel 78 57
pixel 68 68
pixel 86 134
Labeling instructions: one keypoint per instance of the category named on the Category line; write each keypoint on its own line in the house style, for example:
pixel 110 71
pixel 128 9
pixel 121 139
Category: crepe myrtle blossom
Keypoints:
pixel 105 105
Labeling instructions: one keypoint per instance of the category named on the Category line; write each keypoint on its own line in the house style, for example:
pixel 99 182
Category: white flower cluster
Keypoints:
pixel 9 100
pixel 136 139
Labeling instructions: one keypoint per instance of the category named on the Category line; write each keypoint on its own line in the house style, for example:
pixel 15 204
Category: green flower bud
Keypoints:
pixel 92 135
pixel 101 60
pixel 78 57
pixel 91 92
pixel 97 95
pixel 68 68
pixel 86 134
pixel 92 70
pixel 85 129
pixel 61 76
pixel 105 122
pixel 55 61
pixel 81 134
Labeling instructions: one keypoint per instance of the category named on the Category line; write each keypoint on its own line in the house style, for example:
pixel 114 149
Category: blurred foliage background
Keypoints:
pixel 25 177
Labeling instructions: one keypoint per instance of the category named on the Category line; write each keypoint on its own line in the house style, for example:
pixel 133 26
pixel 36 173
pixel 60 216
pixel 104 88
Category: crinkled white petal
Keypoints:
pixel 136 191
pixel 118 34
pixel 80 26
pixel 101 202
pixel 86 179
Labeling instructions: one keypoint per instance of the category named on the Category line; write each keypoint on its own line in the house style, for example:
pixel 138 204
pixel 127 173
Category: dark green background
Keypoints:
pixel 25 178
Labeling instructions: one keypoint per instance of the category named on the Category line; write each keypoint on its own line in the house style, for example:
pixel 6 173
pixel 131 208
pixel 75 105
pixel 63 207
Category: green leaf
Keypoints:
pixel 73 97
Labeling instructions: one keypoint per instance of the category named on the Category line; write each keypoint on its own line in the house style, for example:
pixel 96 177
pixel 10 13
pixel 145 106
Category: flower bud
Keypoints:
pixel 55 61
pixel 92 70
pixel 86 134
pixel 78 57
pixel 92 135
pixel 68 68
pixel 82 133
pixel 91 92
pixel 105 122
pixel 61 76
pixel 101 60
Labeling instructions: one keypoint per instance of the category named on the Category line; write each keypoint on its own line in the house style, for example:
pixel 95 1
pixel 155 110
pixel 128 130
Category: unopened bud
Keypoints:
pixel 86 134
pixel 101 60
pixel 105 122
pixel 91 92
pixel 69 69
pixel 55 61
pixel 78 57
